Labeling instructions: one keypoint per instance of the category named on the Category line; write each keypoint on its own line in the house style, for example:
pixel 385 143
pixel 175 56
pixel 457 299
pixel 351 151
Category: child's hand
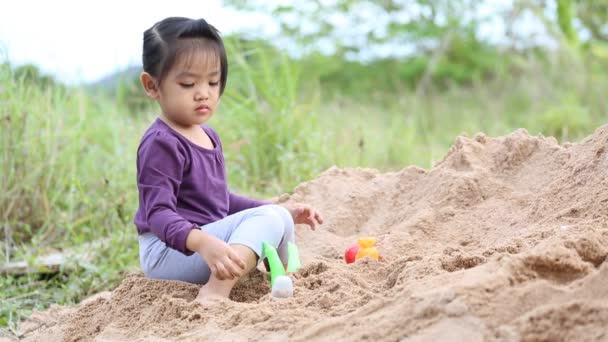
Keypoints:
pixel 304 214
pixel 222 259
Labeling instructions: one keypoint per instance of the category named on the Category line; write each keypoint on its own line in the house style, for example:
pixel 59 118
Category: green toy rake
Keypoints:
pixel 281 284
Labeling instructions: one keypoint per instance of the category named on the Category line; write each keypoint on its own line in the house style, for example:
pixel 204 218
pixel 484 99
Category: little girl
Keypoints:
pixel 191 227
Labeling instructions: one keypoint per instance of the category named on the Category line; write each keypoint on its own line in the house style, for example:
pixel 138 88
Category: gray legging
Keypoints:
pixel 270 223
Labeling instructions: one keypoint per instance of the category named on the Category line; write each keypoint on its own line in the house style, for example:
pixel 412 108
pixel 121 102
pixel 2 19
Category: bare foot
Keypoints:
pixel 209 301
pixel 210 295
pixel 215 290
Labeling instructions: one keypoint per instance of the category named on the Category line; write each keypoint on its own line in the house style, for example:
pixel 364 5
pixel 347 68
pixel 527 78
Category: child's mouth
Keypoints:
pixel 202 109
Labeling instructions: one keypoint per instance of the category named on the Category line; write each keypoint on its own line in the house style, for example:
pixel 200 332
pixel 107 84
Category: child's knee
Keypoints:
pixel 289 232
pixel 274 225
pixel 285 216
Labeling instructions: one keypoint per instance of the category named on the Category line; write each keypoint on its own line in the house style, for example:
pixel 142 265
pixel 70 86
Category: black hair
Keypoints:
pixel 174 37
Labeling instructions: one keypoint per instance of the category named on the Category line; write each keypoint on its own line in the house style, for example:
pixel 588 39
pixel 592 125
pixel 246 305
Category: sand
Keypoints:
pixel 505 239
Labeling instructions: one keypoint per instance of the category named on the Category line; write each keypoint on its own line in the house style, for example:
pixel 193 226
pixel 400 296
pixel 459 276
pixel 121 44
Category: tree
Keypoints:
pixel 362 29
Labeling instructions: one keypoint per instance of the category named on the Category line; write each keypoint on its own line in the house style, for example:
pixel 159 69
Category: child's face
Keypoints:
pixel 190 93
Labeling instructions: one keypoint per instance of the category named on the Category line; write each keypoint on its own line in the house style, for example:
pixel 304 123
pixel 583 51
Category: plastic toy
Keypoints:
pixel 363 248
pixel 281 284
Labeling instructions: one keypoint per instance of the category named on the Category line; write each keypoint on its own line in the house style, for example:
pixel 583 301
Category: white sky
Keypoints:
pixel 80 41
pixel 83 41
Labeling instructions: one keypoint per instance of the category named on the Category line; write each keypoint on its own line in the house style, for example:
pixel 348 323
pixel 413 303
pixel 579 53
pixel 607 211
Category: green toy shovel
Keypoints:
pixel 276 266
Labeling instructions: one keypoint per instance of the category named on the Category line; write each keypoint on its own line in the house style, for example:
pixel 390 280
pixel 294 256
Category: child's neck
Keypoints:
pixel 179 127
pixel 194 133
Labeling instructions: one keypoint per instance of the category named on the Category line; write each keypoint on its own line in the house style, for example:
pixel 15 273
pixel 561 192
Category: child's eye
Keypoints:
pixel 214 84
pixel 187 85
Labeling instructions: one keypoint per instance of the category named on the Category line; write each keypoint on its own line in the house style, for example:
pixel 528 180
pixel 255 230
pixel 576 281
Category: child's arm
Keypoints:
pixel 239 203
pixel 160 164
pixel 304 214
pixel 236 202
pixel 223 261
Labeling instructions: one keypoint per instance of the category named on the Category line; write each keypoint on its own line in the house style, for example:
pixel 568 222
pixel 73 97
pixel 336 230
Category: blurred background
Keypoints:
pixel 382 84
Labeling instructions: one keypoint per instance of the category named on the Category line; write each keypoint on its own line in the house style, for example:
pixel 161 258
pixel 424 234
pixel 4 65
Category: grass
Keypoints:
pixel 67 159
pixel 68 155
pixel 390 131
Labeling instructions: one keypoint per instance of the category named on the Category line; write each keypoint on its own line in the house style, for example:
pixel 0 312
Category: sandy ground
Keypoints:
pixel 503 240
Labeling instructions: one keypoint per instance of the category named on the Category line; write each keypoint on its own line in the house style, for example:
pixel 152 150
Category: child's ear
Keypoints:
pixel 150 85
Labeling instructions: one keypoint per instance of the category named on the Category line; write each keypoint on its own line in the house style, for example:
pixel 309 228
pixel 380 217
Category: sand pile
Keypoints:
pixel 503 240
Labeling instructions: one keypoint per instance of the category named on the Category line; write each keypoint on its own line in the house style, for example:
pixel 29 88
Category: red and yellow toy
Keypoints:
pixel 363 248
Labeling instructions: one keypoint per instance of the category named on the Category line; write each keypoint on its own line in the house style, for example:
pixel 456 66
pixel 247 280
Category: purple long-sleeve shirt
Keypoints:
pixel 182 185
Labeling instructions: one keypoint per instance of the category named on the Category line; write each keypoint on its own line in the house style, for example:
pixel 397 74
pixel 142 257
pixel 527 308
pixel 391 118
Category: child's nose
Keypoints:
pixel 202 93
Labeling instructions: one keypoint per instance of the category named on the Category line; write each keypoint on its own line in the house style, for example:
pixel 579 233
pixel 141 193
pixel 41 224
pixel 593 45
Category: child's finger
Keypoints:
pixel 319 217
pixel 234 257
pixel 221 273
pixel 232 269
pixel 217 273
pixel 213 270
pixel 311 222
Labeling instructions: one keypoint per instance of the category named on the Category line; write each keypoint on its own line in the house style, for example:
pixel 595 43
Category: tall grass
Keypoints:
pixel 66 159
pixel 559 98
pixel 273 134
pixel 67 155
pixel 67 179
